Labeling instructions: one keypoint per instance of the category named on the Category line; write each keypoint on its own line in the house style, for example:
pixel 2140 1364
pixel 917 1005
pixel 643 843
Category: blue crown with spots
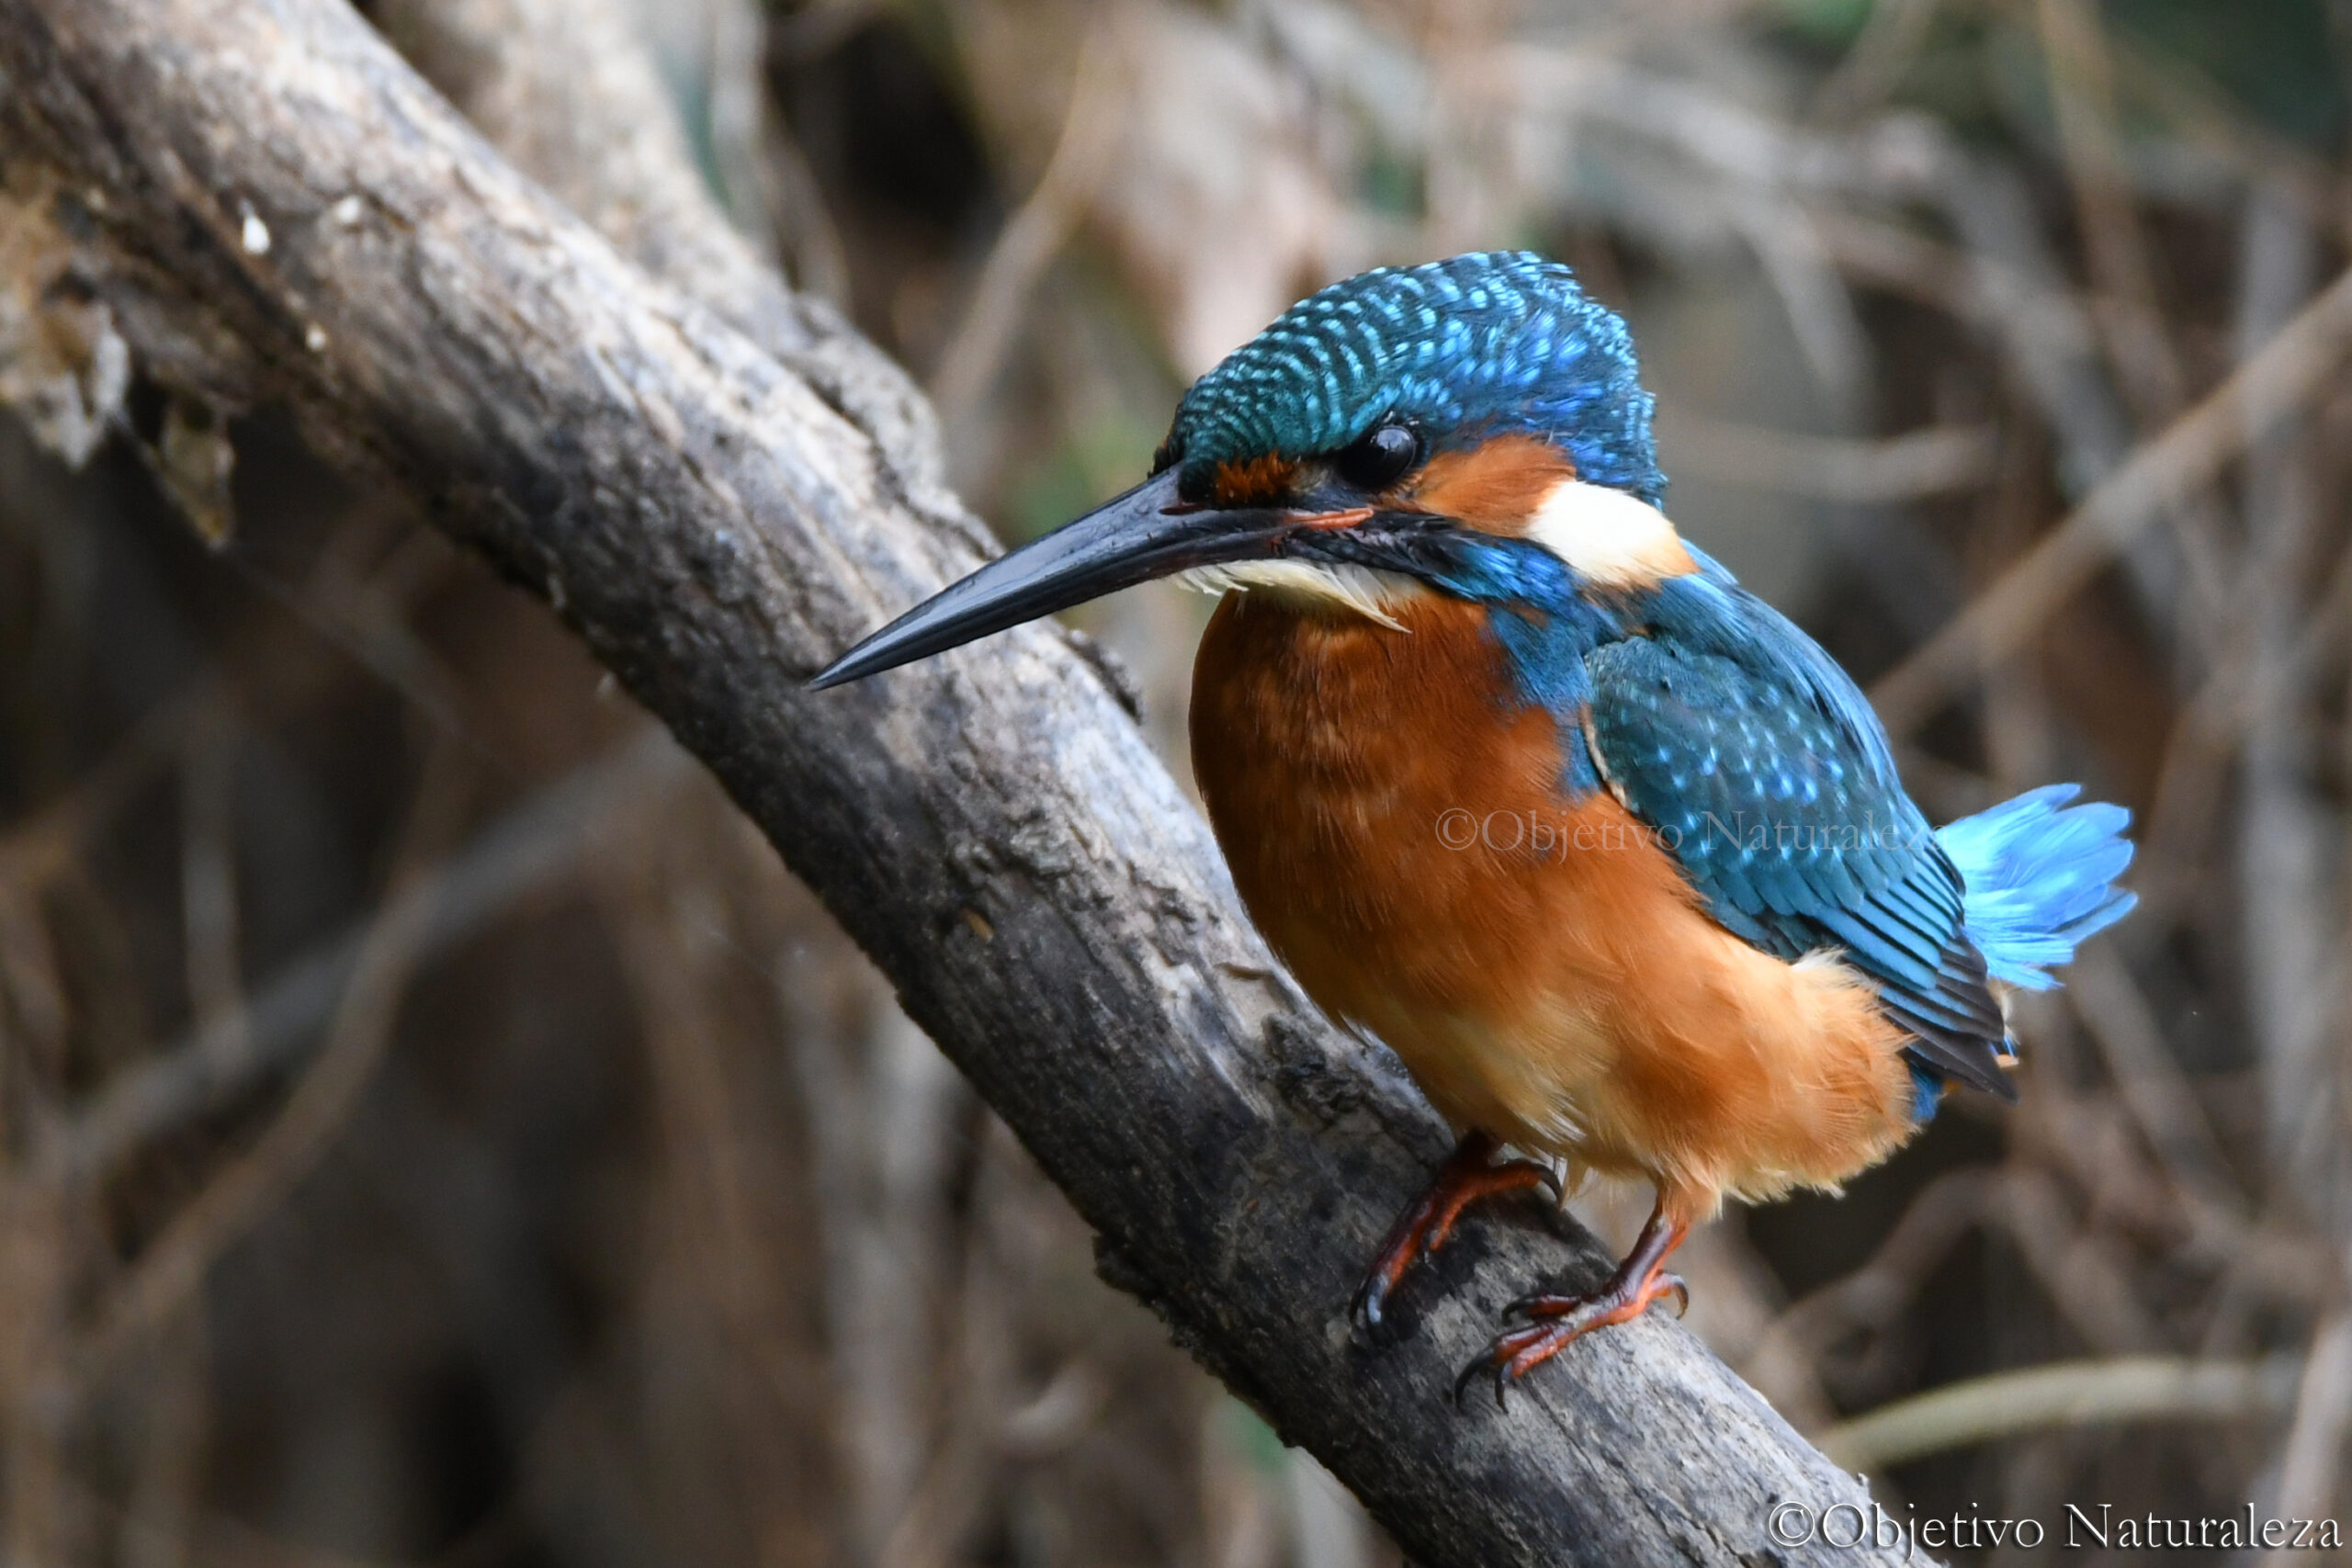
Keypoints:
pixel 1480 345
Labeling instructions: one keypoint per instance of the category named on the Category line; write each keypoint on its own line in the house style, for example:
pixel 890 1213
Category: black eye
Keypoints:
pixel 1380 457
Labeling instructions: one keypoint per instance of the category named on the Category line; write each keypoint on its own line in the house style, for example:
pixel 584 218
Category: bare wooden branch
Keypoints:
pixel 266 205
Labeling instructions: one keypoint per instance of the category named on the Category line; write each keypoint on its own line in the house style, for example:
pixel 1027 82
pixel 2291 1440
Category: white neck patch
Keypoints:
pixel 1356 590
pixel 1610 537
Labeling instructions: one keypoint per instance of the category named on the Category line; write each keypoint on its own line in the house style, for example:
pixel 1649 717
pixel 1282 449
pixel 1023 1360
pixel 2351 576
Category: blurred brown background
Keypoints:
pixel 437 1132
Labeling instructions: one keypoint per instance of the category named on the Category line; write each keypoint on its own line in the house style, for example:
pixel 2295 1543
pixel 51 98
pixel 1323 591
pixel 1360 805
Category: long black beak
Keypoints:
pixel 1145 534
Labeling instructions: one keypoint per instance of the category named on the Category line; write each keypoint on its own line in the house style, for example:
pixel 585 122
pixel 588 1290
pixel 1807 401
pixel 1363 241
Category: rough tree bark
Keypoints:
pixel 263 204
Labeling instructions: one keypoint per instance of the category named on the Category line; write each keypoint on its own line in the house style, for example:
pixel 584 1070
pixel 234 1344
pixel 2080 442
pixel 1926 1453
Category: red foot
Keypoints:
pixel 1561 1321
pixel 1467 1175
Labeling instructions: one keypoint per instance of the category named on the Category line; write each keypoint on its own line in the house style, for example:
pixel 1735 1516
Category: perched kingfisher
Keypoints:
pixel 1518 781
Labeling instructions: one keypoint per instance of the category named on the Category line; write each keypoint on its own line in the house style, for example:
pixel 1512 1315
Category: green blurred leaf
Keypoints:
pixel 2279 59
pixel 1101 459
pixel 1829 23
pixel 1248 1436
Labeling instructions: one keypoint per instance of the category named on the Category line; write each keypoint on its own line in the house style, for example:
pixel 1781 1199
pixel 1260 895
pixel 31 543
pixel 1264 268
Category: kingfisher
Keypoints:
pixel 1524 785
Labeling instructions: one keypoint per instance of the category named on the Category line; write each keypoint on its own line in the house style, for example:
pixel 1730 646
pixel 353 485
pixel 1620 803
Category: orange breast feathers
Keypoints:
pixel 1394 820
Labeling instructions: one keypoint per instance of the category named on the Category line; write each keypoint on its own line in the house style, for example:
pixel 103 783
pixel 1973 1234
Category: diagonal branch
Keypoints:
pixel 2272 385
pixel 267 205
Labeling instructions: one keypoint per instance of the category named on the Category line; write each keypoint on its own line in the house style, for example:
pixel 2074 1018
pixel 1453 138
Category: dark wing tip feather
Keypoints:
pixel 1970 1060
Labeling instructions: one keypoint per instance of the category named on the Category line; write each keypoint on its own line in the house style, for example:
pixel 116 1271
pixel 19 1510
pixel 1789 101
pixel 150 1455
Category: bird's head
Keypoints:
pixel 1475 427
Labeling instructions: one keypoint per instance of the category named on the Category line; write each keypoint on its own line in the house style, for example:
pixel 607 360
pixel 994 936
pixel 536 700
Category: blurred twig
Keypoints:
pixel 1887 46
pixel 1902 468
pixel 2083 93
pixel 208 900
pixel 2136 1388
pixel 513 857
pixel 2190 452
pixel 2322 1405
pixel 1039 227
pixel 173 1266
pixel 2118 1017
pixel 1938 1218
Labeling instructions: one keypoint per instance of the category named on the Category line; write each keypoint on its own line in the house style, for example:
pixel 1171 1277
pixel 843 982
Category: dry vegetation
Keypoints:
pixel 436 1130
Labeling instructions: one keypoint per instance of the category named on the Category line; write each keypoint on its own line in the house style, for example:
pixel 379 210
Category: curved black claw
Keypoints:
pixel 1364 1309
pixel 1559 1322
pixel 1468 1175
pixel 1502 1357
pixel 1469 1375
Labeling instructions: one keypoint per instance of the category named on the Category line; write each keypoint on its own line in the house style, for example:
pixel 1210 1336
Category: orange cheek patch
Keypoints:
pixel 1253 480
pixel 1494 487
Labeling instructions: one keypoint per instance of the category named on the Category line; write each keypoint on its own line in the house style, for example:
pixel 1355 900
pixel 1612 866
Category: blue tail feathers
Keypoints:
pixel 2038 879
pixel 2039 876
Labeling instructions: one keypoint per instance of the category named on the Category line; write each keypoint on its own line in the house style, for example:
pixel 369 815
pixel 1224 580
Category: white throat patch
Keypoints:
pixel 1607 535
pixel 1358 590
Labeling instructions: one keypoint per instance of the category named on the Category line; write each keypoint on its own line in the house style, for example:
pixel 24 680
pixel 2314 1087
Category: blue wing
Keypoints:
pixel 1735 736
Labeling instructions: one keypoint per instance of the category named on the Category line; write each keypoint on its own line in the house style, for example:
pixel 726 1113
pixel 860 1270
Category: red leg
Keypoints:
pixel 1560 1321
pixel 1467 1175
